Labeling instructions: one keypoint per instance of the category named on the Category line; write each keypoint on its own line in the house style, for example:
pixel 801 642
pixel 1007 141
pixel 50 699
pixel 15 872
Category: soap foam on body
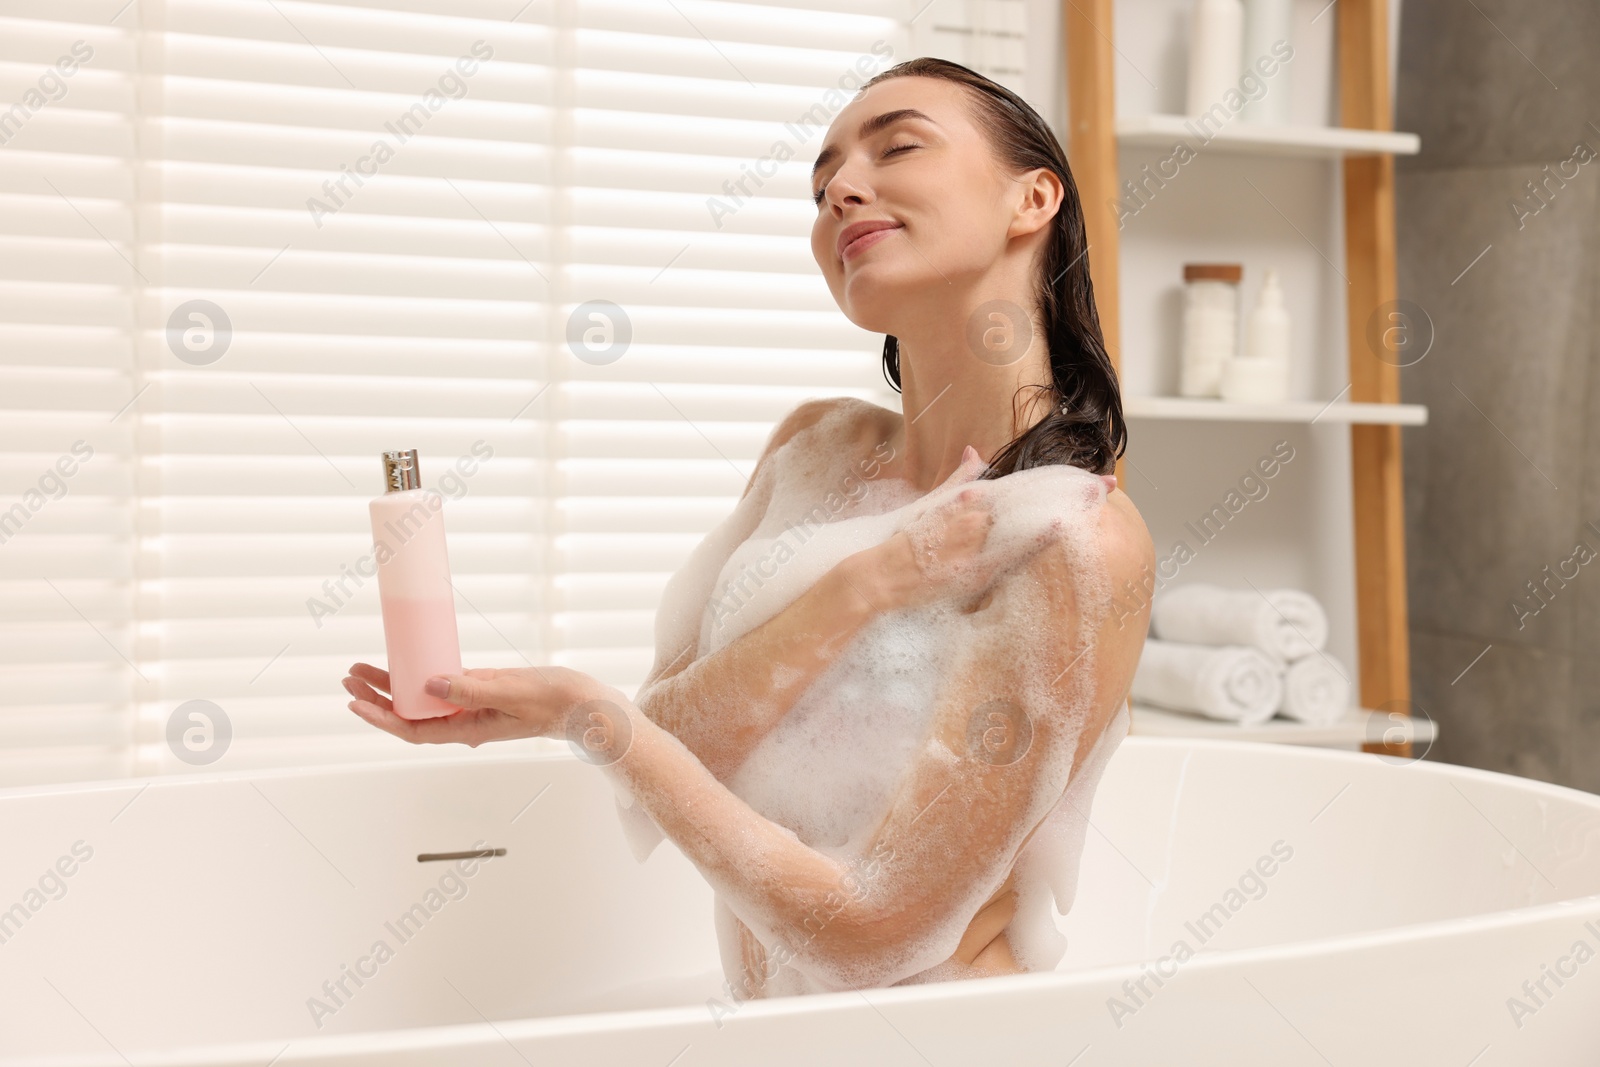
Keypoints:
pixel 828 772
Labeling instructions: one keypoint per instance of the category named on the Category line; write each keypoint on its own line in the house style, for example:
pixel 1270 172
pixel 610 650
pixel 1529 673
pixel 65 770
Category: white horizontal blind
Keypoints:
pixel 68 295
pixel 325 176
pixel 287 235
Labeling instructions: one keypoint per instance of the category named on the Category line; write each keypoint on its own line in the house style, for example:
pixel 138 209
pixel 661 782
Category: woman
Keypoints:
pixel 879 746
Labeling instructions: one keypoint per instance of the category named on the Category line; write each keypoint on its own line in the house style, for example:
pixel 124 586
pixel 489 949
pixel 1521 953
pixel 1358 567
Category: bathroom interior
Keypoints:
pixel 280 276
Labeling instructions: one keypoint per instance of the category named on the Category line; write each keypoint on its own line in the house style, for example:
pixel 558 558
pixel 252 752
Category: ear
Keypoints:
pixel 1038 197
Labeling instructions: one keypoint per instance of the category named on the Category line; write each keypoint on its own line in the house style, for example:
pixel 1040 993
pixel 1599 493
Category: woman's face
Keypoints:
pixel 908 185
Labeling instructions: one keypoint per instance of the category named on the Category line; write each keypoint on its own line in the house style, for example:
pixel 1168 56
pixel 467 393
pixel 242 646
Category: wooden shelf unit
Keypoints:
pixel 1364 147
pixel 1306 411
pixel 1359 726
pixel 1311 142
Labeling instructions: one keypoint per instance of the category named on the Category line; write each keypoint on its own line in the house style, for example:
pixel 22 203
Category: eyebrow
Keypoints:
pixel 868 128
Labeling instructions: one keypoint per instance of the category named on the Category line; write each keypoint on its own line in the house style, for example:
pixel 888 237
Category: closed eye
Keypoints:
pixel 816 197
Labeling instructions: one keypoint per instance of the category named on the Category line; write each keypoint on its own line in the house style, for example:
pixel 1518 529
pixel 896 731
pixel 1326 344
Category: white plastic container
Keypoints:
pixel 1216 29
pixel 419 611
pixel 1267 336
pixel 1255 381
pixel 1262 375
pixel 1266 22
pixel 1210 325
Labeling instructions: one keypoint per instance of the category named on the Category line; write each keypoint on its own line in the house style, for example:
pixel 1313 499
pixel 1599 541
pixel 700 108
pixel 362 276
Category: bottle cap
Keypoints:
pixel 1215 272
pixel 1271 291
pixel 400 471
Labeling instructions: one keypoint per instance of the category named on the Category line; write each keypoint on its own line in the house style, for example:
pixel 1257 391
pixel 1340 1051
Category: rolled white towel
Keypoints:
pixel 1284 623
pixel 1316 690
pixel 1232 682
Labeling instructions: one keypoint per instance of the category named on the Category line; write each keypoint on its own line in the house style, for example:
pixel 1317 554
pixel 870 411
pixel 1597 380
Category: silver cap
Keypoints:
pixel 400 471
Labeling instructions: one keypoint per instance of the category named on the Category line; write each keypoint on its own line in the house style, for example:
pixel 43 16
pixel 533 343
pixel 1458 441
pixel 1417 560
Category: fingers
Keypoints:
pixel 959 526
pixel 976 515
pixel 359 689
pixel 443 730
pixel 376 677
pixel 477 688
pixel 970 499
pixel 383 718
pixel 975 525
pixel 972 464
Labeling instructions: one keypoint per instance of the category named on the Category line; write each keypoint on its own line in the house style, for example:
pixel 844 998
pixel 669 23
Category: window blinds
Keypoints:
pixel 249 244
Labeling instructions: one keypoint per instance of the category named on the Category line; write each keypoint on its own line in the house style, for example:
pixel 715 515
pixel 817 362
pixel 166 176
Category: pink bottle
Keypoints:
pixel 419 609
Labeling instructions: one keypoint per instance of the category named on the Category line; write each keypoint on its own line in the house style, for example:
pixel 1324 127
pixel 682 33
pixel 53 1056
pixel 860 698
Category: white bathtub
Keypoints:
pixel 1417 900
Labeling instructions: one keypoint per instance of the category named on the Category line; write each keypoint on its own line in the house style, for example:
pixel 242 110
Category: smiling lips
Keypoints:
pixel 859 236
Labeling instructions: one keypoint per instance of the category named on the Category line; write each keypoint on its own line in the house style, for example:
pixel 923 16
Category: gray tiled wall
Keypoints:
pixel 1504 480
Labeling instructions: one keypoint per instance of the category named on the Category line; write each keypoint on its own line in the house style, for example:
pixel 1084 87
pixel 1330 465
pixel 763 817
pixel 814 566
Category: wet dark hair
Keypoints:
pixel 1085 427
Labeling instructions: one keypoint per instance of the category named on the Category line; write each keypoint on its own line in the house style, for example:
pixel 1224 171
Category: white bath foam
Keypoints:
pixel 685 601
pixel 948 971
pixel 790 550
pixel 767 573
pixel 852 734
pixel 829 771
pixel 1047 866
pixel 819 510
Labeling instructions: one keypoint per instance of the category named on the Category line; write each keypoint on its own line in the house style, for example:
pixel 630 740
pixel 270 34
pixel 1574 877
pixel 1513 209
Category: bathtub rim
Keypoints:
pixel 693 1018
pixel 560 752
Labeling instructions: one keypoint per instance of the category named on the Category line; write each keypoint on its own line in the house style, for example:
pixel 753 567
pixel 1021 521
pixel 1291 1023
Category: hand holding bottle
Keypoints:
pixel 497 704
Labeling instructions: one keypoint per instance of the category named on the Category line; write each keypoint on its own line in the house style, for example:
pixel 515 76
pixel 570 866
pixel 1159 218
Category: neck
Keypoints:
pixel 953 397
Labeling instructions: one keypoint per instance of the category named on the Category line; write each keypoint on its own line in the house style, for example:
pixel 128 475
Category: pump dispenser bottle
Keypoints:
pixel 1261 375
pixel 1267 336
pixel 419 611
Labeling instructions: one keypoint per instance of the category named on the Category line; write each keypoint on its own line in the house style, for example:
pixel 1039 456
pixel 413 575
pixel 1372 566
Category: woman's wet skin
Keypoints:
pixel 968 233
pixel 984 947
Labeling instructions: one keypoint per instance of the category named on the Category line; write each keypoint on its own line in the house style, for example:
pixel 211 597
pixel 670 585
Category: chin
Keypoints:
pixel 872 298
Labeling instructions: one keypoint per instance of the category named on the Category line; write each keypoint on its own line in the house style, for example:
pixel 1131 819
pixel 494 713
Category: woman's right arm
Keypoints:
pixel 722 705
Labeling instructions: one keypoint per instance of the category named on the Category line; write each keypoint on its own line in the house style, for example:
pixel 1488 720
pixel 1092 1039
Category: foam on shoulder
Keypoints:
pixel 829 771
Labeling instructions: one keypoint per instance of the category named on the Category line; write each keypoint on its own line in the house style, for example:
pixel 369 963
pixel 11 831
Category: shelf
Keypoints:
pixel 1358 727
pixel 1202 408
pixel 1218 214
pixel 1309 142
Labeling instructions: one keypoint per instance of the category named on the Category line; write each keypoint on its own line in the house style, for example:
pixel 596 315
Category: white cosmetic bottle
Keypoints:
pixel 1210 325
pixel 1261 376
pixel 419 611
pixel 1267 26
pixel 1216 29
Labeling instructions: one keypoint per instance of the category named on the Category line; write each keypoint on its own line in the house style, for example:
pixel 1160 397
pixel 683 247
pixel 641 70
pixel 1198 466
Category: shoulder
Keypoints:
pixel 1129 552
pixel 1108 535
pixel 834 420
pixel 1107 609
pixel 841 415
pixel 1114 605
pixel 1073 499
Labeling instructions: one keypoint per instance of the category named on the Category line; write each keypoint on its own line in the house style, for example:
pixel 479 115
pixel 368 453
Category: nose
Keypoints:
pixel 842 189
